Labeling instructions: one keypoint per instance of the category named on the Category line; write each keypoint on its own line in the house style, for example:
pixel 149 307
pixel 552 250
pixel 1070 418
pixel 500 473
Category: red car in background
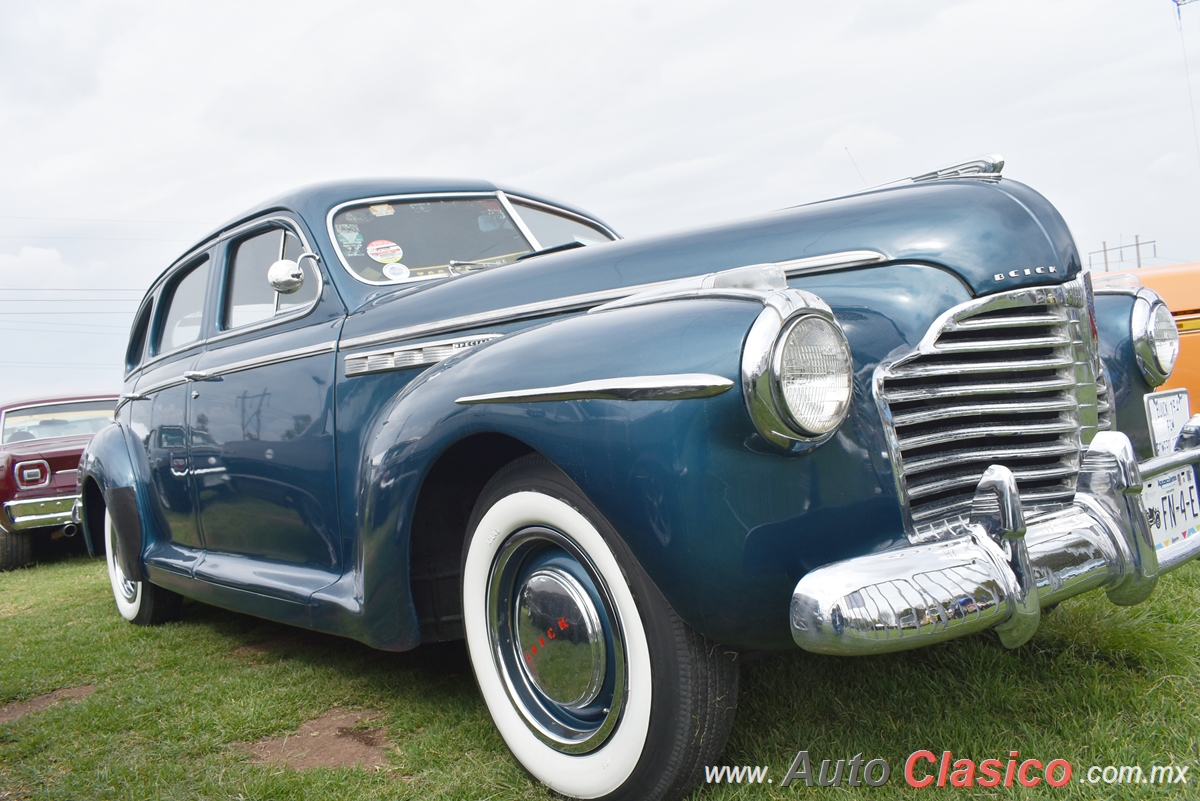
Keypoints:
pixel 40 445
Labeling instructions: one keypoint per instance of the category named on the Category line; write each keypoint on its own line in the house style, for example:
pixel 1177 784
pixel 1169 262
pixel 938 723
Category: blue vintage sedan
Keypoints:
pixel 405 411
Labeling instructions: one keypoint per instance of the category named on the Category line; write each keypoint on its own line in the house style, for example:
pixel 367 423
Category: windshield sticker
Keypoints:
pixel 356 216
pixel 385 251
pixel 349 239
pixel 396 272
pixel 382 210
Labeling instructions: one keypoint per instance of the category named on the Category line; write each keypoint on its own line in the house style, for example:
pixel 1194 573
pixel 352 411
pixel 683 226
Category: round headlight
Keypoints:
pixel 1166 338
pixel 1155 337
pixel 812 369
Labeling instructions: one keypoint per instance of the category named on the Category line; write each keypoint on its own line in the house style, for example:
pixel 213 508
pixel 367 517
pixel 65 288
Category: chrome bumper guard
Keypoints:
pixel 40 513
pixel 1001 573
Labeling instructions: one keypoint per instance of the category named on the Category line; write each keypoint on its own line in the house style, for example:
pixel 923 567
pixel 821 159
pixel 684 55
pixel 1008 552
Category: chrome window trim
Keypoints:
pixel 522 226
pixel 155 319
pixel 548 207
pixel 288 224
pixel 681 386
pixel 381 361
pixel 387 199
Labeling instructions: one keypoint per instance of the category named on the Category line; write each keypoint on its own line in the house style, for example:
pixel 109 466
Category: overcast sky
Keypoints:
pixel 129 129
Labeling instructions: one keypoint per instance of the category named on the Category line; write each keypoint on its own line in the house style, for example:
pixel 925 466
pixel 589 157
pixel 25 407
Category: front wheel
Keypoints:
pixel 138 601
pixel 594 683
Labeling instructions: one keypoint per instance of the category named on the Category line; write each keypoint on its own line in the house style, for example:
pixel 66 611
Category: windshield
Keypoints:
pixel 400 241
pixel 57 420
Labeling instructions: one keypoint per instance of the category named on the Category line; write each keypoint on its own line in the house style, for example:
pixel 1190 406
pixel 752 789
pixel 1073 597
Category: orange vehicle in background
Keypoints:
pixel 1179 286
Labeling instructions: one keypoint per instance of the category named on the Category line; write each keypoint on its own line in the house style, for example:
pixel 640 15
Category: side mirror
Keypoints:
pixel 285 276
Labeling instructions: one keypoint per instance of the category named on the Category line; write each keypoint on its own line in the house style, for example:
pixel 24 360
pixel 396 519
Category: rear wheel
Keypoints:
pixel 16 549
pixel 597 687
pixel 138 601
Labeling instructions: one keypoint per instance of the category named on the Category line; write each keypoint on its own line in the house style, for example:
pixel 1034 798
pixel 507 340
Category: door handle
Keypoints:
pixel 196 375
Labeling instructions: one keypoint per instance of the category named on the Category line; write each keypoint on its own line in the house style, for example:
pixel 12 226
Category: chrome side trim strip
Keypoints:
pixel 510 314
pixel 632 388
pixel 426 353
pixel 813 264
pixel 265 361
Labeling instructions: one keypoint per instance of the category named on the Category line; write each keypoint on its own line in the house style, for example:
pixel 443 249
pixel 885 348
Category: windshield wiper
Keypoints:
pixel 555 249
pixel 457 267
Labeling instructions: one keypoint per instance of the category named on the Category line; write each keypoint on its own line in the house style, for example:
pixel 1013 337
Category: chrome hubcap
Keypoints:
pixel 556 640
pixel 558 629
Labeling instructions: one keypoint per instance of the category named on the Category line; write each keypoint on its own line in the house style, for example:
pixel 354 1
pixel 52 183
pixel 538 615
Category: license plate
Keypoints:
pixel 1172 505
pixel 1167 413
pixel 1173 508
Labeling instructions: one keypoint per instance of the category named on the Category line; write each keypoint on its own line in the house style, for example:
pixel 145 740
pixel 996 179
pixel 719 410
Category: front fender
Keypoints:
pixel 106 464
pixel 1127 384
pixel 722 521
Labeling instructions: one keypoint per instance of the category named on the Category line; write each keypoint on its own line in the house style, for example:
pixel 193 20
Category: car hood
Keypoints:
pixel 993 236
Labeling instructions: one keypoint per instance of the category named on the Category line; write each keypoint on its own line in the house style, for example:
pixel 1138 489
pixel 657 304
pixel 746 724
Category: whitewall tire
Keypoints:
pixel 138 601
pixel 598 689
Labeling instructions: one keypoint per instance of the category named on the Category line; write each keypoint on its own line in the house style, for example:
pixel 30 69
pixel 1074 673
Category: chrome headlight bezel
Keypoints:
pixel 762 356
pixel 1149 319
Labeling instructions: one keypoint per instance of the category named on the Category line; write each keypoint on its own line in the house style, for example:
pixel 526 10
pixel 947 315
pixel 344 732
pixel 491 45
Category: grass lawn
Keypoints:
pixel 175 708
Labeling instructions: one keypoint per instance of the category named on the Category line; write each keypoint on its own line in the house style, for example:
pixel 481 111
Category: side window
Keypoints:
pixel 182 323
pixel 137 338
pixel 553 229
pixel 248 297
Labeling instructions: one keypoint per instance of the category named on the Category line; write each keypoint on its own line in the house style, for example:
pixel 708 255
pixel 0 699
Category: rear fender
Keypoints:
pixel 109 483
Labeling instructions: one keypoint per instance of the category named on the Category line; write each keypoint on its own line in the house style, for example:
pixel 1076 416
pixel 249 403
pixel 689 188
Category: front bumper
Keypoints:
pixel 39 512
pixel 1001 573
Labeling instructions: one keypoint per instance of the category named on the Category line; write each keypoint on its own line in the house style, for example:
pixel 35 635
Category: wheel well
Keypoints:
pixel 93 517
pixel 440 520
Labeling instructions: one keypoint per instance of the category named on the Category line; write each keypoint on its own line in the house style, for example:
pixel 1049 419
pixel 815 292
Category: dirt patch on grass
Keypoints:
pixel 280 645
pixel 334 740
pixel 19 709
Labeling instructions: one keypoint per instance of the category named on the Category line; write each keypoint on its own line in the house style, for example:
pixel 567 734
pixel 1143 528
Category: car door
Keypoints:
pixel 156 410
pixel 261 420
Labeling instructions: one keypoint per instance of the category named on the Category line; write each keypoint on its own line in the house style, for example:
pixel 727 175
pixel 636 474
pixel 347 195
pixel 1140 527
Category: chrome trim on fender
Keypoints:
pixel 632 388
pixel 930 592
pixel 412 356
pixel 510 314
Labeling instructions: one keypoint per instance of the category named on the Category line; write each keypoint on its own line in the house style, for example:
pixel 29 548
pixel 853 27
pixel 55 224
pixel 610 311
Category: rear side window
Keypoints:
pixel 249 298
pixel 137 339
pixel 183 318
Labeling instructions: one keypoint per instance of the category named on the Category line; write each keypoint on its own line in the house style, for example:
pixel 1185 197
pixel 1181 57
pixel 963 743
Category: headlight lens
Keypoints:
pixel 1155 337
pixel 813 369
pixel 1166 338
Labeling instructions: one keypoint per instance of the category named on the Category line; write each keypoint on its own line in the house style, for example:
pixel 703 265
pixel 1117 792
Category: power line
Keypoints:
pixel 95 238
pixel 99 219
pixel 61 289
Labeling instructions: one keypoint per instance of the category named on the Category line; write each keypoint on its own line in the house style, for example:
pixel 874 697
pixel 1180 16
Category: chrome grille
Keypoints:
pixel 1010 379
